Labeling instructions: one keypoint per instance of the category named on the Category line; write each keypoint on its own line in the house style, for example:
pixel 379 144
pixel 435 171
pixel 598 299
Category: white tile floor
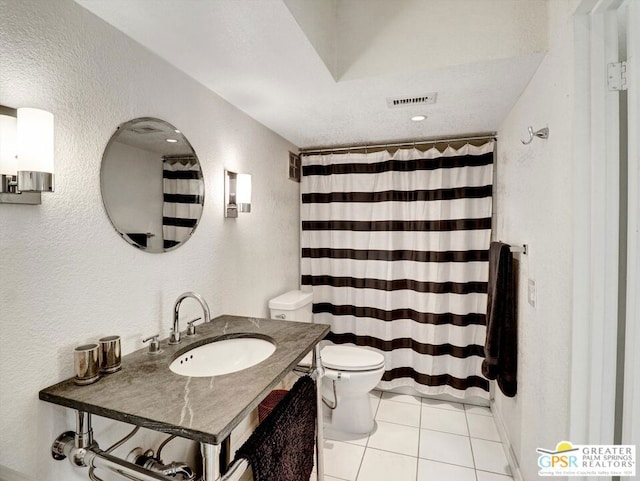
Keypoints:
pixel 420 439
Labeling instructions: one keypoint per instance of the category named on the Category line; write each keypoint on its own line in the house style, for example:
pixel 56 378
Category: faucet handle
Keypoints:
pixel 154 345
pixel 191 328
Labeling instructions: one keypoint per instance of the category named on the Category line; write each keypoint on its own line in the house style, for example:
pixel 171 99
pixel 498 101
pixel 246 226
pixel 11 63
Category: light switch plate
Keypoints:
pixel 531 292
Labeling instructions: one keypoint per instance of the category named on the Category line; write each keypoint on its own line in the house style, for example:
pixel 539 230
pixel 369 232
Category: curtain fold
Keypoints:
pixel 395 249
pixel 182 198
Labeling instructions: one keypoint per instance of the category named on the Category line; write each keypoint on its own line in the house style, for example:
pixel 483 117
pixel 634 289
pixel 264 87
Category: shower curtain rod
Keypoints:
pixel 489 136
pixel 174 159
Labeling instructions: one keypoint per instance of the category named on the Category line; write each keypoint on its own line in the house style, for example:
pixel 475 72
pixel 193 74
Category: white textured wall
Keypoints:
pixel 534 206
pixel 66 277
pixel 442 33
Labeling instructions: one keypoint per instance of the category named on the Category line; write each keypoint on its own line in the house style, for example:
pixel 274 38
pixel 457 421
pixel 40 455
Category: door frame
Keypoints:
pixel 596 227
pixel 631 398
pixel 597 231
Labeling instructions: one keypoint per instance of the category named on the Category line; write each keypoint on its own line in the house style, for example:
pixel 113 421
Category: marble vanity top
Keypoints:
pixel 146 393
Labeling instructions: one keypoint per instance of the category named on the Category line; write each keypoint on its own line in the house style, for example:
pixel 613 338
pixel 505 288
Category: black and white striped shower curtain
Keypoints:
pixel 395 249
pixel 182 198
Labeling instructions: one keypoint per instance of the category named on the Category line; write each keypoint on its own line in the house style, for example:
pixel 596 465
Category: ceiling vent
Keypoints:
pixel 394 102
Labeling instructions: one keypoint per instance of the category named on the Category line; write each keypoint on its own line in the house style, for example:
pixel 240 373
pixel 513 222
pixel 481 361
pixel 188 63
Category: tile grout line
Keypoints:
pixel 473 456
pixel 419 439
pixel 443 432
pixel 421 405
pixel 366 446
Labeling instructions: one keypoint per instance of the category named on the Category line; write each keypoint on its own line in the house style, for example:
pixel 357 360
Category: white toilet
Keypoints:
pixel 354 371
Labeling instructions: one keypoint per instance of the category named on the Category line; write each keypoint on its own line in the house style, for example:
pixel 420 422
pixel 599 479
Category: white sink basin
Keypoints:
pixel 222 357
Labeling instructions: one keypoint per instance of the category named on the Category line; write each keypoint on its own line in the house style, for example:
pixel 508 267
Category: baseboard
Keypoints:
pixel 506 443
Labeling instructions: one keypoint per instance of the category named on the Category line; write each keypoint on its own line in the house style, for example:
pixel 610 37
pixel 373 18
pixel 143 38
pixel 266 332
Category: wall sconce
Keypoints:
pixel 26 155
pixel 237 193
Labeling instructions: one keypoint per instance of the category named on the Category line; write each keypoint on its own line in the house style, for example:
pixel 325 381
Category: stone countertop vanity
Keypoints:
pixel 206 409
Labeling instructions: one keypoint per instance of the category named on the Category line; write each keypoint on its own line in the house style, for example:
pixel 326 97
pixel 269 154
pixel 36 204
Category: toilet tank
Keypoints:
pixel 292 306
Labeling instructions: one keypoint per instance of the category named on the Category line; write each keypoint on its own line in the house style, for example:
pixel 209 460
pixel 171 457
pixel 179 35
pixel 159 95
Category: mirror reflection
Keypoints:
pixel 152 185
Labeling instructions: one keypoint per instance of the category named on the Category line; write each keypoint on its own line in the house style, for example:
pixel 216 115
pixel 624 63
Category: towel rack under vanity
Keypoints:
pixel 236 471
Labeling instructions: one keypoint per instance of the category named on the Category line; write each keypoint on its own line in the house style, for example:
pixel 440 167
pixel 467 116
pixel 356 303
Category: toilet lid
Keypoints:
pixel 349 358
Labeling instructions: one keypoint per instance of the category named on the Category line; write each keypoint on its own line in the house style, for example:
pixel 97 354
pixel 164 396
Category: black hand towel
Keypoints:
pixel 282 446
pixel 501 344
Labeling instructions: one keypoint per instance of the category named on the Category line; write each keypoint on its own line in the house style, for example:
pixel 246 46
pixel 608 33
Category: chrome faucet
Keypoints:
pixel 175 332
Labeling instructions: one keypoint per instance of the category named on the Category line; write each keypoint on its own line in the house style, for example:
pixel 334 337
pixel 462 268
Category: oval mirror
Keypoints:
pixel 152 185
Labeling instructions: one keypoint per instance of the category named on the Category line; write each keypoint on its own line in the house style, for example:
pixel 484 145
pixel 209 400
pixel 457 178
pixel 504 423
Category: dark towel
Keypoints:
pixel 282 446
pixel 501 344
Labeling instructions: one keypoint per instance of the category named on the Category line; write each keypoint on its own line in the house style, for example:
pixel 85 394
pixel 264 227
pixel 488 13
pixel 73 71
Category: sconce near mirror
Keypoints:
pixel 237 193
pixel 26 155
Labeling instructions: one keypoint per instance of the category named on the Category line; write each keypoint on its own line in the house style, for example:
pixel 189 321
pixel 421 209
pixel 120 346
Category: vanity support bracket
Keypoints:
pixel 83 451
pixel 318 373
pixel 75 445
pixel 210 461
pixel 84 431
pixel 225 454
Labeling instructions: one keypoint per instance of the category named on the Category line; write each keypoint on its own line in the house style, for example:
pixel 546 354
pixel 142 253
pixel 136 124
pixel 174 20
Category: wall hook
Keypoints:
pixel 541 134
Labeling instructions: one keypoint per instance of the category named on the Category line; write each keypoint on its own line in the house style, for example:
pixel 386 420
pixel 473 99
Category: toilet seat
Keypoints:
pixel 349 358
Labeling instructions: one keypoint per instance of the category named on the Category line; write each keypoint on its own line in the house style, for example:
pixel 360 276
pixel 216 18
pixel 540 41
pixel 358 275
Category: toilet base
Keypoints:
pixel 352 418
pixel 334 434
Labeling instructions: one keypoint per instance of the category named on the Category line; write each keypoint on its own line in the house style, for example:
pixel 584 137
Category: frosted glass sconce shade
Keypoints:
pixel 8 144
pixel 243 196
pixel 237 193
pixel 35 150
pixel 26 155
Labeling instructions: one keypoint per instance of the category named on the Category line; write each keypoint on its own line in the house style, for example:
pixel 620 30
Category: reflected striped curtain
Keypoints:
pixel 395 249
pixel 182 198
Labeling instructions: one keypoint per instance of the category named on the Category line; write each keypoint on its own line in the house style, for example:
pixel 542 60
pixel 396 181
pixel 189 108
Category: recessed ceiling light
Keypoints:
pixel 172 141
pixel 418 118
pixel 176 131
